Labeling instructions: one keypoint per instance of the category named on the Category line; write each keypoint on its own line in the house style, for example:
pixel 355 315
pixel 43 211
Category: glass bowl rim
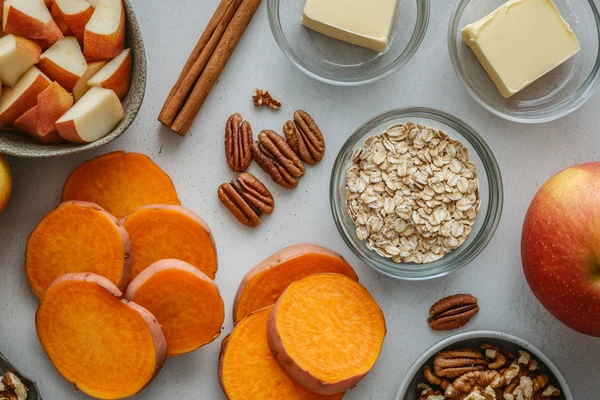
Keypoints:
pixel 415 42
pixel 493 212
pixel 586 90
pixel 481 335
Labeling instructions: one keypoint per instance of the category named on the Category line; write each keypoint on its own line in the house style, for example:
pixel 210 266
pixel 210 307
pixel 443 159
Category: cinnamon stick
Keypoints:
pixel 187 84
pixel 215 65
pixel 166 111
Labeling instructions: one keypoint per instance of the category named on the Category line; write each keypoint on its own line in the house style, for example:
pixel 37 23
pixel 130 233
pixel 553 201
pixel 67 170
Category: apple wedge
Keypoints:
pixel 17 55
pixel 82 86
pixel 64 62
pixel 60 22
pixel 76 14
pixel 21 98
pixel 40 121
pixel 104 35
pixel 30 19
pixel 116 75
pixel 94 116
pixel 28 122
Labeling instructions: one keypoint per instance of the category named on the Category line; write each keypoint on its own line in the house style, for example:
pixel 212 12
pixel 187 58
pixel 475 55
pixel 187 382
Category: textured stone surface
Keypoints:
pixel 528 155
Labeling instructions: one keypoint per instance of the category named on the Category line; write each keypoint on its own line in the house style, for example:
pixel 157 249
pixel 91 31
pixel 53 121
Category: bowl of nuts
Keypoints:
pixel 483 365
pixel 416 193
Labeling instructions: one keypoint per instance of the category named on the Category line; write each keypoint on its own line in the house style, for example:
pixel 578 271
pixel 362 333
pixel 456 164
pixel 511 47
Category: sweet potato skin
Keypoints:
pixel 164 265
pixel 276 260
pixel 190 214
pixel 300 375
pixel 122 283
pixel 160 343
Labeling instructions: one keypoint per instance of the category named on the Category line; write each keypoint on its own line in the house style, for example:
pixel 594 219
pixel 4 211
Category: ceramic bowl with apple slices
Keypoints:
pixel 71 104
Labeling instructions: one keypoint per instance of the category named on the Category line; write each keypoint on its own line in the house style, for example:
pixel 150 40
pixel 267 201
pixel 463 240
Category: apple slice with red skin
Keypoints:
pixel 94 116
pixel 560 250
pixel 76 14
pixel 64 62
pixel 60 22
pixel 17 55
pixel 30 19
pixel 40 121
pixel 116 75
pixel 82 86
pixel 20 99
pixel 104 35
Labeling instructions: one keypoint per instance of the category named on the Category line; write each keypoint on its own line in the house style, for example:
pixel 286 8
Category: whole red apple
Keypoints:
pixel 560 247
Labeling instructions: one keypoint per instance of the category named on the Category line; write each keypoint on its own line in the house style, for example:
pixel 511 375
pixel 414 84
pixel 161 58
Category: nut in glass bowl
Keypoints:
pixel 473 229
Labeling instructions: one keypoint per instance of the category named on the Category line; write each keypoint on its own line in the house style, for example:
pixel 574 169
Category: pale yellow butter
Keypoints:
pixel 366 23
pixel 521 41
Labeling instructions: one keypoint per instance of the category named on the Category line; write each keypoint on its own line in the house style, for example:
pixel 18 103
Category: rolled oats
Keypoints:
pixel 412 193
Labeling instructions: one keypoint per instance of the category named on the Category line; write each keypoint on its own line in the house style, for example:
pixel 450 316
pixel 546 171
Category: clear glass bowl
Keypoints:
pixel 339 63
pixel 490 191
pixel 555 94
pixel 408 388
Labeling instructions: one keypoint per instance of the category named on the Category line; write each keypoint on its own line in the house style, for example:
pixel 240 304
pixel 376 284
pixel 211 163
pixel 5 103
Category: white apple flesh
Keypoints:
pixel 116 75
pixel 94 116
pixel 30 19
pixel 82 86
pixel 104 35
pixel 17 55
pixel 64 62
pixel 20 99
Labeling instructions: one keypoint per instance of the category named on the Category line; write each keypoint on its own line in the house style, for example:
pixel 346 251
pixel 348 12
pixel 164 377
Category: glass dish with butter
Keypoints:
pixel 348 42
pixel 527 60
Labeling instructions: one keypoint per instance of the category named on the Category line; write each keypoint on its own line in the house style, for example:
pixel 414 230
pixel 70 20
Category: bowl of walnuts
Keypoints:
pixel 483 365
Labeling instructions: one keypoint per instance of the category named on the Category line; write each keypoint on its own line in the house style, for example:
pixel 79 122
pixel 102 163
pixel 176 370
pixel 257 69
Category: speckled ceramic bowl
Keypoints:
pixel 17 144
pixel 408 387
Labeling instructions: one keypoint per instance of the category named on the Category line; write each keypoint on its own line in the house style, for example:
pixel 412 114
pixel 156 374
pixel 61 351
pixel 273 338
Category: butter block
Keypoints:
pixel 520 42
pixel 366 23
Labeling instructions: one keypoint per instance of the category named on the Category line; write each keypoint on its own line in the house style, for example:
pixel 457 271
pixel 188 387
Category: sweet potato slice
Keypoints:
pixel 263 284
pixel 186 303
pixel 77 237
pixel 158 232
pixel 326 331
pixel 120 182
pixel 247 369
pixel 109 348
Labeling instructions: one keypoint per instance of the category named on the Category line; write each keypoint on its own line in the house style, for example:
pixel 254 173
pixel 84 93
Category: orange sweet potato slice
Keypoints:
pixel 77 237
pixel 247 369
pixel 263 284
pixel 326 331
pixel 109 348
pixel 186 303
pixel 120 182
pixel 158 232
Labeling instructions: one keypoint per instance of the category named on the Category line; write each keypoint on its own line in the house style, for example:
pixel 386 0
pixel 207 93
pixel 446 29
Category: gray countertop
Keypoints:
pixel 527 154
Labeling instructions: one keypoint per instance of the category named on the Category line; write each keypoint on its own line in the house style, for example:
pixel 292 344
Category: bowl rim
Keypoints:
pixel 423 7
pixel 492 215
pixel 123 126
pixel 580 97
pixel 483 334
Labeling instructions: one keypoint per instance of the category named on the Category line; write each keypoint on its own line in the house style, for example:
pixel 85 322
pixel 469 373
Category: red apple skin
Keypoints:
pixel 560 247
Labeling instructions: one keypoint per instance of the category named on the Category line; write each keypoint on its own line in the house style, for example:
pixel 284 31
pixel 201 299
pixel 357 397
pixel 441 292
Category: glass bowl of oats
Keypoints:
pixel 416 193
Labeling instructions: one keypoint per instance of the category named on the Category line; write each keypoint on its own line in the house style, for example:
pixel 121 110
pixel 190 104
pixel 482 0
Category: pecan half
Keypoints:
pixel 452 312
pixel 264 98
pixel 498 357
pixel 454 363
pixel 247 199
pixel 434 379
pixel 277 159
pixel 474 380
pixel 305 138
pixel 238 143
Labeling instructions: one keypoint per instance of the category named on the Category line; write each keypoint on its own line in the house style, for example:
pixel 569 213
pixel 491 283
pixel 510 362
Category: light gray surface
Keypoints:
pixel 528 155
